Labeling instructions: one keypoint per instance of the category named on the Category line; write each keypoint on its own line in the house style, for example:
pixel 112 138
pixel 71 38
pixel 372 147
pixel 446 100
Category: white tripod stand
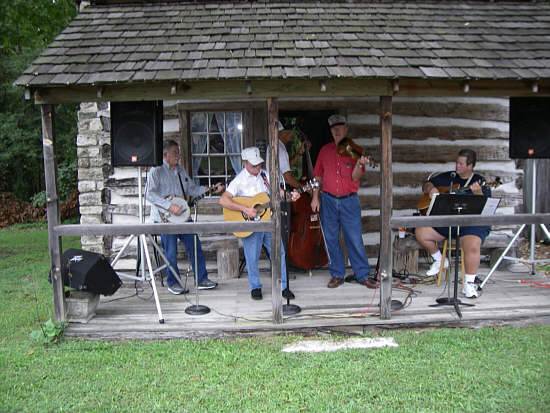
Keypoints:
pixel 143 240
pixel 531 261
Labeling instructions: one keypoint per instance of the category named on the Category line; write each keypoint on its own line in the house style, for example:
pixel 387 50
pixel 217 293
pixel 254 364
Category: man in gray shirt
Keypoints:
pixel 164 181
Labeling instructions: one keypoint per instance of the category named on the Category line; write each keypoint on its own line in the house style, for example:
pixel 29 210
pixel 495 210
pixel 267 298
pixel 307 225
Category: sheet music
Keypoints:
pixel 491 206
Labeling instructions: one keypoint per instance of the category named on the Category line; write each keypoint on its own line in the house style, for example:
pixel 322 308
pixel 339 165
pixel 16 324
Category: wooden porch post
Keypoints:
pixel 272 117
pixel 52 202
pixel 386 183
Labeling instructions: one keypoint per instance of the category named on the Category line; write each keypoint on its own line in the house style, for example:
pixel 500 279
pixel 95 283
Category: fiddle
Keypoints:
pixel 347 147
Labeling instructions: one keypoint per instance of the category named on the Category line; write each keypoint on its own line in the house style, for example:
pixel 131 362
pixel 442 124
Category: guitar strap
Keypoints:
pixel 267 187
pixel 469 179
pixel 181 185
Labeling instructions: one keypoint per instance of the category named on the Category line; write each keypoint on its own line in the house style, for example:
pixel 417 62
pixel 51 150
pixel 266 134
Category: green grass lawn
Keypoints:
pixel 501 369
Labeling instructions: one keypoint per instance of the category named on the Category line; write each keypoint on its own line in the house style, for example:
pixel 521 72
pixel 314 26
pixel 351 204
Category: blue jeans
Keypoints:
pixel 170 246
pixel 252 246
pixel 344 214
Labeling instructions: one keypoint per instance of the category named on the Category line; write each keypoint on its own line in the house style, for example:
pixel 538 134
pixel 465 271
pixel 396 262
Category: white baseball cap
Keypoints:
pixel 252 155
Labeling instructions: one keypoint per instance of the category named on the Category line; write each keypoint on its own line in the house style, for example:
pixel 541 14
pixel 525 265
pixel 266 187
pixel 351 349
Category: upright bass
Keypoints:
pixel 306 246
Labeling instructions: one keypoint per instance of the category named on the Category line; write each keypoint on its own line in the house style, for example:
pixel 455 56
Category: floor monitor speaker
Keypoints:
pixel 88 271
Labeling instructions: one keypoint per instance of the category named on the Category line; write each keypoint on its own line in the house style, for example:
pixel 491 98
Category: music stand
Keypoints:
pixel 453 204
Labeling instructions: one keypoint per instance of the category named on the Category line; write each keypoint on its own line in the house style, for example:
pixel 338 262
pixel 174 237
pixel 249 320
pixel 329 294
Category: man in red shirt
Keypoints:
pixel 339 206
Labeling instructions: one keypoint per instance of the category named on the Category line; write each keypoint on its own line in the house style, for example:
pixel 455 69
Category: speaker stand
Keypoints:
pixel 147 275
pixel 531 261
pixel 196 309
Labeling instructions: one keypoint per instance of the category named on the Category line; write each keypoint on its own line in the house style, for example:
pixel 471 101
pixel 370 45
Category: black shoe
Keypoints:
pixel 256 294
pixel 289 295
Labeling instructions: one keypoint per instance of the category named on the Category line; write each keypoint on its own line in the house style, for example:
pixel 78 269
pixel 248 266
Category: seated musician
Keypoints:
pixel 471 238
pixel 170 179
pixel 251 181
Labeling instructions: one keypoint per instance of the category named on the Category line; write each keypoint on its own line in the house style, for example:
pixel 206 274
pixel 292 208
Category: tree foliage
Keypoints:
pixel 26 27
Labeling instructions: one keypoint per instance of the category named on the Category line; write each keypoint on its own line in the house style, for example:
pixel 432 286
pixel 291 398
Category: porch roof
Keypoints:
pixel 151 43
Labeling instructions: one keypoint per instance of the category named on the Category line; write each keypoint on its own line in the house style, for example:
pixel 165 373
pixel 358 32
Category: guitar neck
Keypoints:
pixel 196 199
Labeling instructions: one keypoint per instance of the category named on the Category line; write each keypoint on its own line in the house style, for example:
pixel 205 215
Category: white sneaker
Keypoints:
pixel 470 290
pixel 436 265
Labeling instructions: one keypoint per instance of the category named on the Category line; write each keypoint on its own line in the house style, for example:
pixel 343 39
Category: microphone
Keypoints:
pixel 453 176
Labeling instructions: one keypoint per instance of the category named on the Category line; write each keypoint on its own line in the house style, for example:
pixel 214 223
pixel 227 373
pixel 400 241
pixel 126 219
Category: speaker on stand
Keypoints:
pixel 530 140
pixel 136 140
pixel 136 133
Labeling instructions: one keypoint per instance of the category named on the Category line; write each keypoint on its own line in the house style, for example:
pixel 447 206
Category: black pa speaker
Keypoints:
pixel 136 133
pixel 529 127
pixel 88 271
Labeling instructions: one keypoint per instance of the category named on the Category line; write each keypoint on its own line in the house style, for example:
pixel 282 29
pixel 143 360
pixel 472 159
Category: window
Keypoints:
pixel 216 142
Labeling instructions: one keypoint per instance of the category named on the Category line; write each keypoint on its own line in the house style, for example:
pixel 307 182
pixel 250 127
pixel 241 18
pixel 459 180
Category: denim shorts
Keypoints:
pixel 480 232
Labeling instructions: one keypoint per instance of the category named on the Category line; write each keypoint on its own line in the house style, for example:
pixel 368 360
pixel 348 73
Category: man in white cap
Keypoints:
pixel 339 206
pixel 251 181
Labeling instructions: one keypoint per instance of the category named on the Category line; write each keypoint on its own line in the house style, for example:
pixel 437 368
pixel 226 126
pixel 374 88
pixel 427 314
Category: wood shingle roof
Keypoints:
pixel 113 44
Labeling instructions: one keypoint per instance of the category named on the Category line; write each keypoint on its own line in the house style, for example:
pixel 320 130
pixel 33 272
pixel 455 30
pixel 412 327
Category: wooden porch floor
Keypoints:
pixel 506 298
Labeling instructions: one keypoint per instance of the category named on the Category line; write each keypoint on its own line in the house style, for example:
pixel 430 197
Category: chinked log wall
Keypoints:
pixel 427 134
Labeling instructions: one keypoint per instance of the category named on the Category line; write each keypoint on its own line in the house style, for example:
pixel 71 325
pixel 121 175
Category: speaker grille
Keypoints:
pixel 136 133
pixel 529 127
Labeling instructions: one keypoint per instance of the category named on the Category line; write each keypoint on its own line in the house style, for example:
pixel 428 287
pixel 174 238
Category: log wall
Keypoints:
pixel 427 134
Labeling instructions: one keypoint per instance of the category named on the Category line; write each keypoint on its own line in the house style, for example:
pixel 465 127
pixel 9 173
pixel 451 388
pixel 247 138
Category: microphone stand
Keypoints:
pixel 288 309
pixel 196 309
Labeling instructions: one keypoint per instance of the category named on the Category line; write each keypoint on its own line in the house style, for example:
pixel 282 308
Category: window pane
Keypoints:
pixel 198 143
pixel 198 122
pixel 233 123
pixel 217 165
pixel 216 144
pixel 230 170
pixel 200 165
pixel 213 126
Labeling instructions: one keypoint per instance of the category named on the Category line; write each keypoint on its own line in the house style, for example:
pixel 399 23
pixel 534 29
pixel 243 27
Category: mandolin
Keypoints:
pixel 424 202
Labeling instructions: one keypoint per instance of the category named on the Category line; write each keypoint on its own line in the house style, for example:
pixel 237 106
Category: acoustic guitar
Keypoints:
pixel 167 217
pixel 424 202
pixel 261 203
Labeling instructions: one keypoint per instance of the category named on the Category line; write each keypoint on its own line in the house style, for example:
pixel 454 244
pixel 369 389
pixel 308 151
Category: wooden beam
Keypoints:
pixel 52 211
pixel 187 228
pixel 386 196
pixel 468 220
pixel 274 176
pixel 184 118
pixel 206 90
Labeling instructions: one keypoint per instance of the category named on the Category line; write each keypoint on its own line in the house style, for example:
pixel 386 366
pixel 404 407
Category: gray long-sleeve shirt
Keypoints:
pixel 163 182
